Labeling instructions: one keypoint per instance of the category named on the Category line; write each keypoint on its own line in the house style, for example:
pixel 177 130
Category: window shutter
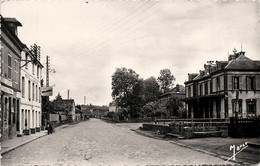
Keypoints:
pixel 247 82
pixel 233 82
pixel 240 83
pixel 254 83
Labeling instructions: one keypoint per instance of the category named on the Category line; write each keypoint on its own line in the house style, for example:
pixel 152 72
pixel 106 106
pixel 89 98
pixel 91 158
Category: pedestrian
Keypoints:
pixel 51 128
pixel 48 128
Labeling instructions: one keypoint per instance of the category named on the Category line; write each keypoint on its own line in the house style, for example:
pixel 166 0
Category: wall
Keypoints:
pixel 28 103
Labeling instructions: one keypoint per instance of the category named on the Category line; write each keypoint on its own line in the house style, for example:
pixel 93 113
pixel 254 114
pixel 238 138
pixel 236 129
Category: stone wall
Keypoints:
pixel 156 127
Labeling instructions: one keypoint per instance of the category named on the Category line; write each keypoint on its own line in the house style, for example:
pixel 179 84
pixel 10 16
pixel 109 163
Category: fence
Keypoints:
pixel 244 127
pixel 198 126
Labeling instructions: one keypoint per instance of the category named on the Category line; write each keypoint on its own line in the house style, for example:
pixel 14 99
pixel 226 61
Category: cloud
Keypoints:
pixel 87 42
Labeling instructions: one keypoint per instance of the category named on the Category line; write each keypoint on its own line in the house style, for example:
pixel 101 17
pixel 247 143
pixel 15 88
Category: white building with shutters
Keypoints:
pixel 30 109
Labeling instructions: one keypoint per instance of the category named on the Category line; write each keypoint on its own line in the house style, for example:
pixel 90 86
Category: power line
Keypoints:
pixel 113 29
pixel 109 38
pixel 138 22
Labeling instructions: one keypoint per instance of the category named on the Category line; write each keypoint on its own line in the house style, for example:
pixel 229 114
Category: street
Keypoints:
pixel 95 142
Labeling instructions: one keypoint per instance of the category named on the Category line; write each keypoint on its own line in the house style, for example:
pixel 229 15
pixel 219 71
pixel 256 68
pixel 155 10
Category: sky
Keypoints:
pixel 88 40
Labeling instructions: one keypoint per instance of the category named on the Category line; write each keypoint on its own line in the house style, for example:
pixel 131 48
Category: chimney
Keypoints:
pixel 13 24
pixel 68 94
pixel 177 88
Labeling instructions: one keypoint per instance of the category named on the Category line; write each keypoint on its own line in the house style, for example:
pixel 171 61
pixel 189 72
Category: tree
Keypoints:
pixel 127 90
pixel 166 79
pixel 58 97
pixel 151 90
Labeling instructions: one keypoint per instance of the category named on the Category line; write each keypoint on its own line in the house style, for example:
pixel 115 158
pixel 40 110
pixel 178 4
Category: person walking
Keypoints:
pixel 48 128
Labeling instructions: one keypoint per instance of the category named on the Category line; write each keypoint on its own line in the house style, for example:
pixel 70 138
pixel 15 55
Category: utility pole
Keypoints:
pixel 47 70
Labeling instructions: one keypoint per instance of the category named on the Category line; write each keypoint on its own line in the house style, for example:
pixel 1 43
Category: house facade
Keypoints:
pixel 10 95
pixel 172 101
pixel 30 109
pixel 225 89
pixel 113 107
pixel 65 107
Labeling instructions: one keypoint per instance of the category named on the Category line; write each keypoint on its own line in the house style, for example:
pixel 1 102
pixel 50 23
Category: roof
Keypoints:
pixel 12 20
pixel 243 63
pixel 182 94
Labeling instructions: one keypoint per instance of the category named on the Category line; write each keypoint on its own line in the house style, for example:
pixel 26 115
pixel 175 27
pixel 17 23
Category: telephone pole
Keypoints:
pixel 47 70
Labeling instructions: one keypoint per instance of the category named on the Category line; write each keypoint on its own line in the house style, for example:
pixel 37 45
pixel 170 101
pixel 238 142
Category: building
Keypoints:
pixel 11 48
pixel 31 75
pixel 225 89
pixel 113 107
pixel 172 101
pixel 65 107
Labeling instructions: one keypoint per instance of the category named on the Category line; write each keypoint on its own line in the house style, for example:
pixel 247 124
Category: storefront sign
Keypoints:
pixel 6 81
pixel 7 90
pixel 46 91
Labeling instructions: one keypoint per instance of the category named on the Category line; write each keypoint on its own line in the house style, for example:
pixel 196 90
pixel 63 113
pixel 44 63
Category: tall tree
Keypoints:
pixel 58 97
pixel 166 79
pixel 127 90
pixel 151 90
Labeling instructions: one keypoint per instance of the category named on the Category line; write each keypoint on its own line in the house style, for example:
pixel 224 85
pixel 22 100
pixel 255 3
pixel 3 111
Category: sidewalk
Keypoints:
pixel 216 146
pixel 11 144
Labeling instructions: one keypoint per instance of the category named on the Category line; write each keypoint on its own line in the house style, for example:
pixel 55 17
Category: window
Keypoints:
pixel 251 107
pixel 217 83
pixel 33 91
pixel 23 86
pixel 26 59
pixel 251 83
pixel 237 106
pixel 39 95
pixel 9 74
pixel 36 95
pixel 200 89
pixel 189 92
pixel 236 82
pixel 29 90
pixel 16 78
pixel 37 71
pixel 206 88
pixel 210 84
pixel 32 68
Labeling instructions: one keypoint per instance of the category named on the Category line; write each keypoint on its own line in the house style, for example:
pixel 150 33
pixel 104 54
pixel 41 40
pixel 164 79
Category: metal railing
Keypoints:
pixel 201 124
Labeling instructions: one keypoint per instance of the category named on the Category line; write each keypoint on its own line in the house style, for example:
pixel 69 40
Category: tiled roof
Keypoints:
pixel 243 63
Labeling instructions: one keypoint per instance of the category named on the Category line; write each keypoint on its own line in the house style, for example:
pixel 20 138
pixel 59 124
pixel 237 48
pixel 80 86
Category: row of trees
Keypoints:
pixel 133 93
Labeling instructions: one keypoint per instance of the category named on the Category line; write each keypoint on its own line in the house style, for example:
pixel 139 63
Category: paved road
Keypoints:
pixel 95 142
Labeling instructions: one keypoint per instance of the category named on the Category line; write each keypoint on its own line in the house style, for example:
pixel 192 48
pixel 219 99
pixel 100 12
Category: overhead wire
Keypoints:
pixel 111 28
pixel 126 29
pixel 133 19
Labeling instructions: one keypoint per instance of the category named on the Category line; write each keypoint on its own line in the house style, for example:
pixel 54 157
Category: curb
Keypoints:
pixel 26 142
pixel 13 148
pixel 196 149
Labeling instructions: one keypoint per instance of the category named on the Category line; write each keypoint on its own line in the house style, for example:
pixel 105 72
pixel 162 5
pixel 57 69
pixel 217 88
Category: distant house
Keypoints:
pixel 78 114
pixel 225 89
pixel 85 111
pixel 66 107
pixel 175 97
pixel 113 107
